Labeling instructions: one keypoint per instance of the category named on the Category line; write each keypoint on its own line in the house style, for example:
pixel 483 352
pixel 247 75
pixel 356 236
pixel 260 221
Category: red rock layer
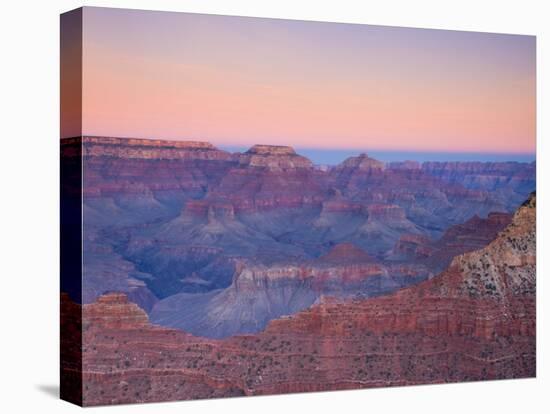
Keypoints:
pixel 473 234
pixel 345 275
pixel 458 239
pixel 475 321
pixel 267 177
pixel 346 253
pixel 484 174
pixel 251 189
pixel 119 166
pixel 274 157
pixel 485 294
pixel 413 245
pixel 208 209
pixel 148 148
pixel 264 177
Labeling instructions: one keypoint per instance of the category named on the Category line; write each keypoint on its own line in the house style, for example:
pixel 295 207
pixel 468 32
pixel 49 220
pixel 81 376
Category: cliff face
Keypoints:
pixel 474 321
pixel 474 234
pixel 360 163
pixel 165 218
pixel 116 166
pixel 146 148
pixel 140 166
pixel 259 293
pixel 486 175
pixel 505 269
pixel 487 293
pixel 274 157
pixel 346 253
pixel 428 201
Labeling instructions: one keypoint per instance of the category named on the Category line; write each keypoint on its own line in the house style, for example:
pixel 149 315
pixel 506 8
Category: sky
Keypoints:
pixel 237 81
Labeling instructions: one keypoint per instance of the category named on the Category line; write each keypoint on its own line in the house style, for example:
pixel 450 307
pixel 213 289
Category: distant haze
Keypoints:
pixel 239 81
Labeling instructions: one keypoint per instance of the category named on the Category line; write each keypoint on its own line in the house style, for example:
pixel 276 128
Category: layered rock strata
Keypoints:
pixel 474 321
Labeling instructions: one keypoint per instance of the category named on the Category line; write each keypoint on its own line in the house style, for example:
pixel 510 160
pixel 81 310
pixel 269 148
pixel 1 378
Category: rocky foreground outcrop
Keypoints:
pixel 474 321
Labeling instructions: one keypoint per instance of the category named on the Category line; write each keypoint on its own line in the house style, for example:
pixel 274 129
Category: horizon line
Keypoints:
pixel 308 148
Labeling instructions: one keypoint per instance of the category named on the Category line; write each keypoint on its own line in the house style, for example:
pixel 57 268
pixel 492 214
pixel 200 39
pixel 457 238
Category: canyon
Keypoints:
pixel 473 321
pixel 220 244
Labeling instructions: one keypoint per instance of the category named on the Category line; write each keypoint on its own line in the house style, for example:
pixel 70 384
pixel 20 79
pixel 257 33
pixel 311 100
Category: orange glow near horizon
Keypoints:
pixel 242 81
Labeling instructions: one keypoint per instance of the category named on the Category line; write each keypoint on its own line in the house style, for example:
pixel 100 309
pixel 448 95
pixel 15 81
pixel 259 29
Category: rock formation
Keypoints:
pixel 509 181
pixel 360 163
pixel 484 175
pixel 260 293
pixel 169 218
pixel 473 234
pixel 474 321
pixel 274 157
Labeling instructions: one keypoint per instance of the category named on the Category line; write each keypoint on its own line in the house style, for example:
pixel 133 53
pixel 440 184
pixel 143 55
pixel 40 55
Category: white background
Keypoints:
pixel 29 239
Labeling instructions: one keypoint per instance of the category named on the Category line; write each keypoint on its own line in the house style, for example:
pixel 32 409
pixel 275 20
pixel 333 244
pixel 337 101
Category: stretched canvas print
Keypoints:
pixel 262 206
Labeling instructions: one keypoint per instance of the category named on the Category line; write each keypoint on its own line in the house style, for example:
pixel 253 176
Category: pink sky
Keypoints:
pixel 242 81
